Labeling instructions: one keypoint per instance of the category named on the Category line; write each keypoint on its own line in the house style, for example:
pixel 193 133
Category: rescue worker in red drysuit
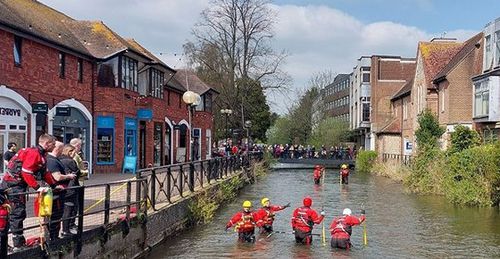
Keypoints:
pixel 341 228
pixel 318 173
pixel 244 222
pixel 344 173
pixel 303 220
pixel 22 171
pixel 267 214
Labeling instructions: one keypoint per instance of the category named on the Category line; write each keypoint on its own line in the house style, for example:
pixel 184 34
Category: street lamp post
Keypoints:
pixel 192 99
pixel 226 112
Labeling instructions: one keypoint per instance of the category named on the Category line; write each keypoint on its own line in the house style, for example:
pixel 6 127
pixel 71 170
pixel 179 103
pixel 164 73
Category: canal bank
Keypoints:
pixel 399 225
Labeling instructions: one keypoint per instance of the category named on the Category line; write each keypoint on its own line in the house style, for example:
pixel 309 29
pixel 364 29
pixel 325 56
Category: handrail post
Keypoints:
pixel 201 173
pixel 129 190
pixel 210 173
pixel 169 183
pixel 191 177
pixel 181 181
pixel 106 203
pixel 153 188
pixel 81 200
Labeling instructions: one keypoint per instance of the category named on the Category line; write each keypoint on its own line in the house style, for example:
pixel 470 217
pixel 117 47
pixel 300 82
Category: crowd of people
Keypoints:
pixel 50 167
pixel 297 151
pixel 303 218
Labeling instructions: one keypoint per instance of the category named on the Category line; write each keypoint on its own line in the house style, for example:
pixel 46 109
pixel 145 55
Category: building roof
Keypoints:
pixel 404 90
pixel 190 81
pixel 435 55
pixel 91 38
pixel 393 126
pixel 467 47
pixel 38 20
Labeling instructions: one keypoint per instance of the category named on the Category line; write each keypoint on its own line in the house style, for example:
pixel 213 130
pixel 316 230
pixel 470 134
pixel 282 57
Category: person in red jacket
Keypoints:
pixel 341 228
pixel 318 173
pixel 303 220
pixel 21 173
pixel 266 215
pixel 344 173
pixel 244 222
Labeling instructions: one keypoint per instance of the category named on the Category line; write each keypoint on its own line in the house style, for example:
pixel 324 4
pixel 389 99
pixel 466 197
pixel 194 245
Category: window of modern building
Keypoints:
pixel 18 43
pixel 481 99
pixel 497 48
pixel 156 83
pixel 105 139
pixel 79 68
pixel 62 64
pixel 129 73
pixel 487 53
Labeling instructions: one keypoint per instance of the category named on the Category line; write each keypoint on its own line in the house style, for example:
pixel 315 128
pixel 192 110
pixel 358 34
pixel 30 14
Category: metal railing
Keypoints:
pixel 167 182
pixel 107 203
pixel 403 159
pixel 100 202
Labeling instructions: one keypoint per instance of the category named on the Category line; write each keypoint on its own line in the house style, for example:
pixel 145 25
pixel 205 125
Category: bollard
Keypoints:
pixel 191 177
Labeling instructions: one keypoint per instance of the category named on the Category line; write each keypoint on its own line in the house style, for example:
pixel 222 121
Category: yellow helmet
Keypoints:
pixel 344 166
pixel 264 201
pixel 247 204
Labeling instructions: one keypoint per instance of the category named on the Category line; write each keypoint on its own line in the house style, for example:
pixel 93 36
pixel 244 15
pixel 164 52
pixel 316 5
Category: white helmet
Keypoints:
pixel 347 211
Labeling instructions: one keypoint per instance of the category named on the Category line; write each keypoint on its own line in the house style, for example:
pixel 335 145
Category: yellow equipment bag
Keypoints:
pixel 43 204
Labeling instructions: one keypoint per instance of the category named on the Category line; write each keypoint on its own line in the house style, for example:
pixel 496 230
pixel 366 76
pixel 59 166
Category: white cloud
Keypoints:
pixel 318 38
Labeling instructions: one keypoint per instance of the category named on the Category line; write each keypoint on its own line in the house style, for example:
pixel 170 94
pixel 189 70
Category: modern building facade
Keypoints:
pixel 486 85
pixel 360 101
pixel 335 98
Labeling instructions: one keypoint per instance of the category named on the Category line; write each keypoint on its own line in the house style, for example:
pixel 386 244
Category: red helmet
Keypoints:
pixel 317 166
pixel 307 201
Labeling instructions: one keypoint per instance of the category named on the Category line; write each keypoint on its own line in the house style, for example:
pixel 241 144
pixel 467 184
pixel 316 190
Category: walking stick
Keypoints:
pixel 323 233
pixel 365 236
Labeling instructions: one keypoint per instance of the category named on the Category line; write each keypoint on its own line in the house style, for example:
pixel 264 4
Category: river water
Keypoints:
pixel 399 225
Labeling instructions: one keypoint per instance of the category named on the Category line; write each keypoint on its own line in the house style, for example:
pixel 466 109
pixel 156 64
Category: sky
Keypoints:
pixel 319 35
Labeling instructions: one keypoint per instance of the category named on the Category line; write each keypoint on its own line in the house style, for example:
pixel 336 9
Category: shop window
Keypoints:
pixel 105 140
pixel 157 155
pixel 18 43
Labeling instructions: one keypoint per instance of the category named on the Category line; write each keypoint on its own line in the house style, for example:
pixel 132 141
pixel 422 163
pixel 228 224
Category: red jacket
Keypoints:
pixel 266 214
pixel 244 221
pixel 344 172
pixel 31 161
pixel 304 218
pixel 341 227
pixel 317 173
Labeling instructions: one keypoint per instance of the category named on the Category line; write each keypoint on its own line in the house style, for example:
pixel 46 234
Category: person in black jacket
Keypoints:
pixel 71 201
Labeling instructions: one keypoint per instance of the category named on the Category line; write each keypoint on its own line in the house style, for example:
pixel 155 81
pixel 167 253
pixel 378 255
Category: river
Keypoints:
pixel 399 225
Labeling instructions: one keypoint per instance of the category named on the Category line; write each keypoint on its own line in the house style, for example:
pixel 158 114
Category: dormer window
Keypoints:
pixel 156 83
pixel 129 74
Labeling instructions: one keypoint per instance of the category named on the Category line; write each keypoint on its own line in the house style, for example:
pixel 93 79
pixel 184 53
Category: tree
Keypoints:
pixel 279 132
pixel 428 131
pixel 330 132
pixel 231 51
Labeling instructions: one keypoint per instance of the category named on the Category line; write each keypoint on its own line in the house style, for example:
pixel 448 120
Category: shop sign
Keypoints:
pixel 40 108
pixel 10 112
pixel 145 114
pixel 63 111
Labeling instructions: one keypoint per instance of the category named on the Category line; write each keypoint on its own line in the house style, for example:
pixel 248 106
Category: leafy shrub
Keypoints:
pixel 426 172
pixel 428 131
pixel 463 138
pixel 365 161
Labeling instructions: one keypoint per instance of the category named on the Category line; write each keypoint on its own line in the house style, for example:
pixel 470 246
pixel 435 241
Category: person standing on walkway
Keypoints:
pixel 344 174
pixel 341 228
pixel 56 168
pixel 266 215
pixel 70 199
pixel 244 222
pixel 22 171
pixel 10 153
pixel 78 157
pixel 303 220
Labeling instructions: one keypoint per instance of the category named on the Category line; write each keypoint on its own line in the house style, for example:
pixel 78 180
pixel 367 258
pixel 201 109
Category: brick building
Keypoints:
pixel 453 84
pixel 80 79
pixel 486 85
